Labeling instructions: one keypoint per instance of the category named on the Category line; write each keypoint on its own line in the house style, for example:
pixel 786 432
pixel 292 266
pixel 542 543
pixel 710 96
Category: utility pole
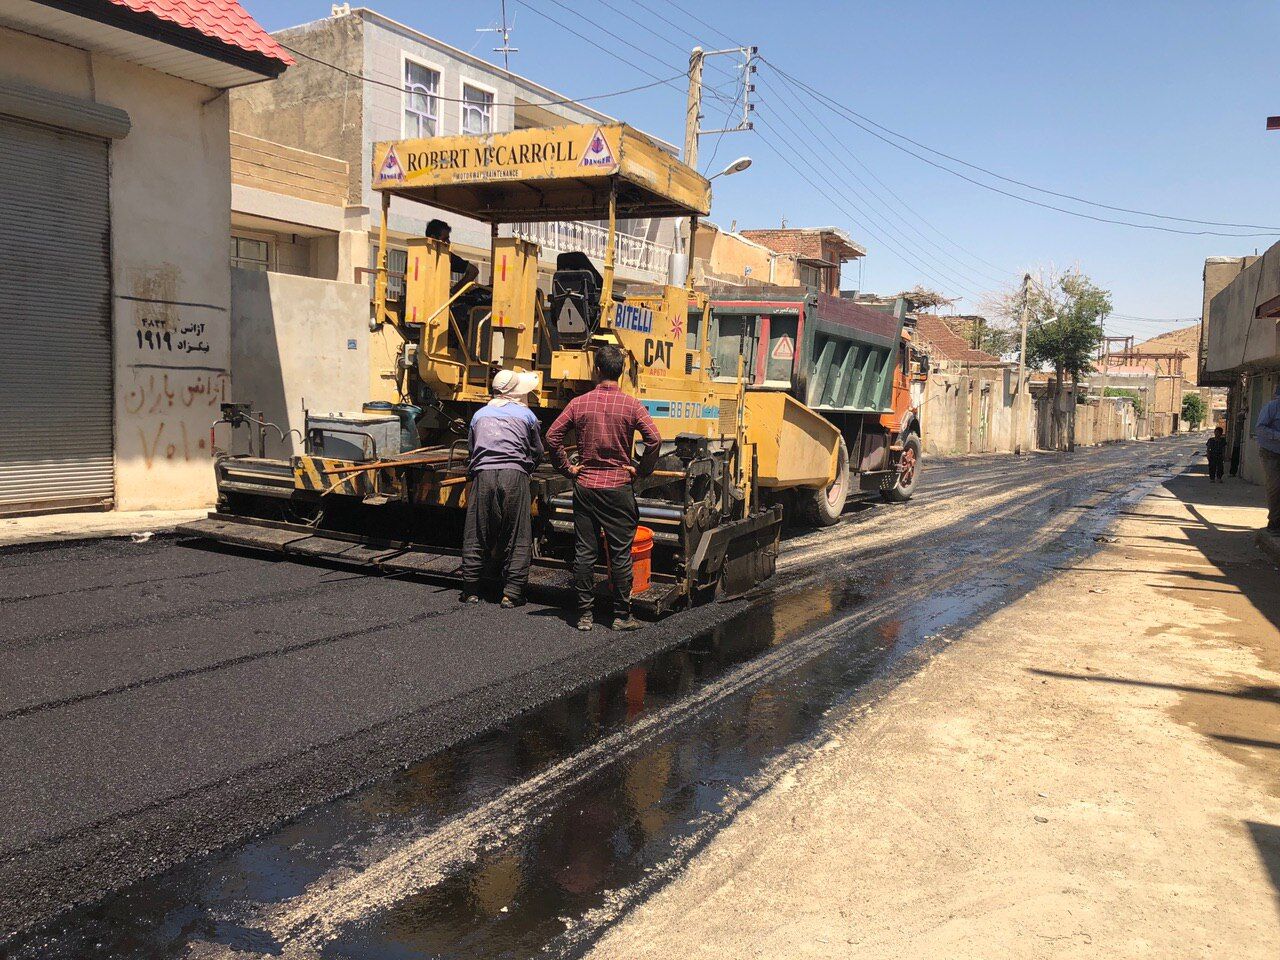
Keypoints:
pixel 693 108
pixel 504 32
pixel 692 117
pixel 693 120
pixel 1022 364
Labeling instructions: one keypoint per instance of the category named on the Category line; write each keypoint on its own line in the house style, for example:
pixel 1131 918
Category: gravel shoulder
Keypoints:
pixel 1093 771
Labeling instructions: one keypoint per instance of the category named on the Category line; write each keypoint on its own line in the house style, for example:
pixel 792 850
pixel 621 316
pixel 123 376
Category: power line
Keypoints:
pixel 937 273
pixel 664 38
pixel 904 221
pixel 714 29
pixel 1031 186
pixel 1127 318
pixel 658 81
pixel 831 188
pixel 586 39
pixel 857 120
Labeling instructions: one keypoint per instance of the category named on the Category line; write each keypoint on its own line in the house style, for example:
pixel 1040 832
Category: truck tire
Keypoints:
pixel 904 486
pixel 822 507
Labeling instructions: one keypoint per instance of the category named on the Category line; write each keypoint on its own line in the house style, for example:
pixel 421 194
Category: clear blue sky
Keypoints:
pixel 1157 106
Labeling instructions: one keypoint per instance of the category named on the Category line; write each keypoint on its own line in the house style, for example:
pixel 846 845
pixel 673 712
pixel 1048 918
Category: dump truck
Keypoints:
pixel 853 365
pixel 387 486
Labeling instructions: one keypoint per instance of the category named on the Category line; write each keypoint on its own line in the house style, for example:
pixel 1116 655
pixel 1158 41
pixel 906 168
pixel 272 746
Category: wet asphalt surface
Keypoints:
pixel 505 785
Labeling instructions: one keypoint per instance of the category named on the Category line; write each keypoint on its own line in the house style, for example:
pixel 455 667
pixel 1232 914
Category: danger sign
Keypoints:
pixel 391 169
pixel 783 349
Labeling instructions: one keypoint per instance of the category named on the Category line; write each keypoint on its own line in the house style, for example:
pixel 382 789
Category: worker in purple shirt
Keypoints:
pixel 1267 430
pixel 505 442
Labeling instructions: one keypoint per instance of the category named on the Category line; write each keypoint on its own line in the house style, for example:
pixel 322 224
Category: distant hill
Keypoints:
pixel 1185 339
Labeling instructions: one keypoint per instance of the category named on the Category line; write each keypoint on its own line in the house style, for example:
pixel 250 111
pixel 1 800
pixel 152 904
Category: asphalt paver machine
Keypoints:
pixel 351 495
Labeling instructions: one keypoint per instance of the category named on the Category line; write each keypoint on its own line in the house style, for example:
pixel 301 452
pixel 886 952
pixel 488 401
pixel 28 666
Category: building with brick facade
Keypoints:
pixel 819 251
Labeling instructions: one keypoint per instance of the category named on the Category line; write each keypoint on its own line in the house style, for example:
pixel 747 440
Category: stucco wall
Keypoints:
pixel 297 340
pixel 722 255
pixel 1237 336
pixel 170 199
pixel 974 414
pixel 312 106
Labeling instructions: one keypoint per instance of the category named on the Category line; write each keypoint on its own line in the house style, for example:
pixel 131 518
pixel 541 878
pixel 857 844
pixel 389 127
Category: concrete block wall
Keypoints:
pixel 297 340
pixel 966 414
pixel 1097 420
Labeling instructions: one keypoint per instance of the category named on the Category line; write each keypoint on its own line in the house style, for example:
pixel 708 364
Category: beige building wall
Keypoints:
pixel 295 341
pixel 1240 334
pixel 730 257
pixel 170 201
pixel 978 412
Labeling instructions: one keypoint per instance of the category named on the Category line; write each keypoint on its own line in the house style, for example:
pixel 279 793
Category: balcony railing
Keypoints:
pixel 633 253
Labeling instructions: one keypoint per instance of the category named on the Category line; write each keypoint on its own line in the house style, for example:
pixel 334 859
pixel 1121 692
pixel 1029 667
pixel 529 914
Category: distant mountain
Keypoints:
pixel 1184 339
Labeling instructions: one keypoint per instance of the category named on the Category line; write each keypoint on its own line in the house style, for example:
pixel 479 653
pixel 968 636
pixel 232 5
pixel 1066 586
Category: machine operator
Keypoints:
pixel 440 230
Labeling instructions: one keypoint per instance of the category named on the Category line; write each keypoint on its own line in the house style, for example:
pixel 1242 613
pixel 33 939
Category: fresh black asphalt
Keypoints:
pixel 162 699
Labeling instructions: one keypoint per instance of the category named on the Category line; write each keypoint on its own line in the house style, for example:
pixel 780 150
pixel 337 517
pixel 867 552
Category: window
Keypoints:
pixel 397 265
pixel 248 254
pixel 421 103
pixel 477 110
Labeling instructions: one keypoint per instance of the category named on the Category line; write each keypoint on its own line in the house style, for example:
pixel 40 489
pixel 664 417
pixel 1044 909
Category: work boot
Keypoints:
pixel 468 597
pixel 586 622
pixel 510 603
pixel 627 623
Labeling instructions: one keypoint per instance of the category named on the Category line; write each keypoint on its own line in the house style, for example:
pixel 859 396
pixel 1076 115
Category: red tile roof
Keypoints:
pixel 222 20
pixel 947 344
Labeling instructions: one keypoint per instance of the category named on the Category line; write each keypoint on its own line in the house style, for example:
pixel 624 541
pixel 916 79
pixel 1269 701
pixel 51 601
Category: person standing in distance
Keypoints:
pixel 505 441
pixel 605 421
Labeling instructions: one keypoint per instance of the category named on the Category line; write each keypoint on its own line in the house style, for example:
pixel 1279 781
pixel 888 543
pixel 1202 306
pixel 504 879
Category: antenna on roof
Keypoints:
pixel 504 32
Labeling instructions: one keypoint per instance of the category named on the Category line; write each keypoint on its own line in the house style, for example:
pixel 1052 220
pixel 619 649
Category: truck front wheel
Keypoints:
pixel 822 507
pixel 904 485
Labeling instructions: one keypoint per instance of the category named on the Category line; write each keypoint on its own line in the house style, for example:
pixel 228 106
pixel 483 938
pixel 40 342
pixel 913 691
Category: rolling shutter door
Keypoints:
pixel 55 320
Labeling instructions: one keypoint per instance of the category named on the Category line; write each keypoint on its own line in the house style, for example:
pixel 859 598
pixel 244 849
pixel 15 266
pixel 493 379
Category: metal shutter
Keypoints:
pixel 55 320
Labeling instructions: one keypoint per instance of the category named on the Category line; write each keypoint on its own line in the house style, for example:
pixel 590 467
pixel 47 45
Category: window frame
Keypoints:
pixel 268 242
pixel 407 58
pixel 463 83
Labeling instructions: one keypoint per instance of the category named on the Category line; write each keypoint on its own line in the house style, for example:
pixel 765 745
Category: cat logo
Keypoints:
pixel 390 169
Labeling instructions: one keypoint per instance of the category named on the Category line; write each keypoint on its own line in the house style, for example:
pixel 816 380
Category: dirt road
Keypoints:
pixel 1092 772
pixel 159 701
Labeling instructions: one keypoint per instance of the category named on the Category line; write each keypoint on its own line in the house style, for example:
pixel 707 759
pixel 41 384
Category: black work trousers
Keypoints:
pixel 498 530
pixel 613 512
pixel 1215 467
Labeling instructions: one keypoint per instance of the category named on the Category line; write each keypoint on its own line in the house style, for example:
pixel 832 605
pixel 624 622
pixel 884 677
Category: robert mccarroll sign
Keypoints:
pixel 545 153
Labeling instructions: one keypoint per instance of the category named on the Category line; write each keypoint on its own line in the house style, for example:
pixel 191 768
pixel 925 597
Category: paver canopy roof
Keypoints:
pixel 542 173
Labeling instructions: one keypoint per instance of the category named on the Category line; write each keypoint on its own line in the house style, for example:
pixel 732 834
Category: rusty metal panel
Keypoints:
pixel 56 443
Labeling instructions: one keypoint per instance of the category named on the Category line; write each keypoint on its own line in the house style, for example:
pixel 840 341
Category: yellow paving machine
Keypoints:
pixel 394 500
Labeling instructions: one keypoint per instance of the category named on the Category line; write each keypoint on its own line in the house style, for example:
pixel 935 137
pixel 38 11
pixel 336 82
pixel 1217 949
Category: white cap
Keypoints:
pixel 512 383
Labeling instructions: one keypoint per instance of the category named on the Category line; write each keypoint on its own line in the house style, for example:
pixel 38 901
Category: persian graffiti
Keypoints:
pixel 170 412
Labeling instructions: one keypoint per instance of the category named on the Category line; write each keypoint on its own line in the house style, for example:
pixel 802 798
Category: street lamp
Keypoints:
pixel 736 167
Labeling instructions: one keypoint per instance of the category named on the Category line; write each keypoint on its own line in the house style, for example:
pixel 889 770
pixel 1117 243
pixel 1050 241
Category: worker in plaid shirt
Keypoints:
pixel 605 421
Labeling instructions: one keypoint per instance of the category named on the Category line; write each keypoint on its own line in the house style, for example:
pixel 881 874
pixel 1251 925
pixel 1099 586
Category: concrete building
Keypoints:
pixel 115 187
pixel 1242 345
pixel 289 212
pixel 363 78
pixel 820 252
pixel 727 257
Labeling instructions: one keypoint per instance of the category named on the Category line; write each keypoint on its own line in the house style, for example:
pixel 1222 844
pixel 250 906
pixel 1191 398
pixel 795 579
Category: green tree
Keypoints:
pixel 1064 328
pixel 1139 409
pixel 1193 409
